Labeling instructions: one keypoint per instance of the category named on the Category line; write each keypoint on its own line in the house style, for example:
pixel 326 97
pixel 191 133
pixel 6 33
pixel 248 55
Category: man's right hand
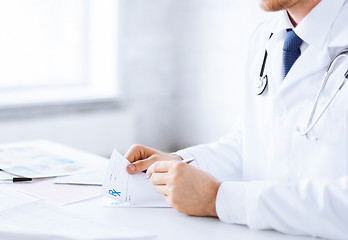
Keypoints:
pixel 141 158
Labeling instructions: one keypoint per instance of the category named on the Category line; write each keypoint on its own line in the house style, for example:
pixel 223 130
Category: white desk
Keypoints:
pixel 168 224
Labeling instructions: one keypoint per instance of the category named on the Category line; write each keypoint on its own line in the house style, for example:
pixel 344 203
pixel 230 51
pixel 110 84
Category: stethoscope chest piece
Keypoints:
pixel 261 85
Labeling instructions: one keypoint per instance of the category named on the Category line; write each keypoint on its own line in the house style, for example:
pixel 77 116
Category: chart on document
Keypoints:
pixel 37 159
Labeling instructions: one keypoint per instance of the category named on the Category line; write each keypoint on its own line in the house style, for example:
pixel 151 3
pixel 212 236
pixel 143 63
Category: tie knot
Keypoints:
pixel 292 42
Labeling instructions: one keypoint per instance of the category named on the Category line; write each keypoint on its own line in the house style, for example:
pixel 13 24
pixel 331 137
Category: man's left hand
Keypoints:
pixel 186 188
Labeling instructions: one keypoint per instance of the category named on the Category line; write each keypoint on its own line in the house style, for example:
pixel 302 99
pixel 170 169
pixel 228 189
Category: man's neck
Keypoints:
pixel 300 10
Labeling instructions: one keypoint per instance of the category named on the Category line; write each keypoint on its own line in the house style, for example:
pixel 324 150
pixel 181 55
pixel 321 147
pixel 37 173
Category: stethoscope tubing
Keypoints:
pixel 310 122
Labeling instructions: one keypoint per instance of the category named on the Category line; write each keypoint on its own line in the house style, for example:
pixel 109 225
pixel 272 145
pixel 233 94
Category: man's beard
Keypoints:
pixel 277 5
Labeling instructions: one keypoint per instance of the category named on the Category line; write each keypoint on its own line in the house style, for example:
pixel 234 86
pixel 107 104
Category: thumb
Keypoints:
pixel 141 165
pixel 138 152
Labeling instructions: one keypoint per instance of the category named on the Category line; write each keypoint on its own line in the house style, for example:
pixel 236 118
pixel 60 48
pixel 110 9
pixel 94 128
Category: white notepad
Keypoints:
pixel 129 190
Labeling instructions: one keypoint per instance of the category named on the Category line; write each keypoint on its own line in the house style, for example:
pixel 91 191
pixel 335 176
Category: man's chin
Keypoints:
pixel 275 5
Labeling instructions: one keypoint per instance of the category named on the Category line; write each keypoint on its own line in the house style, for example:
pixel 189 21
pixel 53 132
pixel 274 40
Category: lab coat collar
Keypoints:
pixel 280 23
pixel 315 27
pixel 339 32
pixel 315 30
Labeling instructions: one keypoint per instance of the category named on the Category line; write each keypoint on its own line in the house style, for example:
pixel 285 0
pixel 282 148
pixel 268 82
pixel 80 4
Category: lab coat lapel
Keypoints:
pixel 310 62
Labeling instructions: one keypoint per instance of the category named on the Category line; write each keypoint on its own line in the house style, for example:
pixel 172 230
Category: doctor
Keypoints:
pixel 286 166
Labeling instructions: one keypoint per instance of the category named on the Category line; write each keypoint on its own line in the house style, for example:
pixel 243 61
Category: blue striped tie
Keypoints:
pixel 291 50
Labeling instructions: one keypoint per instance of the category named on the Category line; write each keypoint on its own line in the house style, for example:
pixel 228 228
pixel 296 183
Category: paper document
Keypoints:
pixel 38 220
pixel 11 198
pixel 129 190
pixel 91 178
pixel 56 193
pixel 37 159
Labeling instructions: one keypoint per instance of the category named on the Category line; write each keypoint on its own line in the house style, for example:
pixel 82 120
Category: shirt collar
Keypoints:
pixel 314 28
pixel 280 23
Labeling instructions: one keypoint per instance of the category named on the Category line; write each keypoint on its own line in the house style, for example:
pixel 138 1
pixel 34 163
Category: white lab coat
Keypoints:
pixel 273 178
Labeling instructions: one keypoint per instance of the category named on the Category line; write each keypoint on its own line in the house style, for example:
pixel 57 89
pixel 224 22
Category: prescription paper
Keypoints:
pixel 129 190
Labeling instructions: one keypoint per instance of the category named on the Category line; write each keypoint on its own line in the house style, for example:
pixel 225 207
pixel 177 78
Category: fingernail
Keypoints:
pixel 132 167
pixel 147 175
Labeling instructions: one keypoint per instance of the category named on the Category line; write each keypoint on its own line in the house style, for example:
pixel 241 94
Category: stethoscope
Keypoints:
pixel 262 82
pixel 310 122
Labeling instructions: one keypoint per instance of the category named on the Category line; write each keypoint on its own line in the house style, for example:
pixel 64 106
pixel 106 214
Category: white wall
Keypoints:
pixel 188 58
pixel 148 68
pixel 90 130
pixel 181 68
pixel 213 40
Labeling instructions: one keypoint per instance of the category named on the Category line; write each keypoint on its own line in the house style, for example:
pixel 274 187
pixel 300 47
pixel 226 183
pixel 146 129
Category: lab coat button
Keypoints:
pixel 313 139
pixel 280 111
pixel 297 130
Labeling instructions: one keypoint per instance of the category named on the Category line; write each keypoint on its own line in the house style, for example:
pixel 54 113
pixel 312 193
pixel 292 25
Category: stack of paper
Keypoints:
pixel 23 217
pixel 45 159
pixel 94 178
pixel 58 194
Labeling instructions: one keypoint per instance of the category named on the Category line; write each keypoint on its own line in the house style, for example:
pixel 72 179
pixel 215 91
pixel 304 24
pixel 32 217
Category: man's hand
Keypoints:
pixel 142 157
pixel 186 188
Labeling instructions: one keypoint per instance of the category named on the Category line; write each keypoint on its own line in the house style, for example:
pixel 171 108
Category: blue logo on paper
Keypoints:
pixel 114 193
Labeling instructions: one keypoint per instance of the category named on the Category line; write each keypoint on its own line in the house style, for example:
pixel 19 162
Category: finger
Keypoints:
pixel 162 189
pixel 141 165
pixel 138 152
pixel 168 199
pixel 159 178
pixel 159 167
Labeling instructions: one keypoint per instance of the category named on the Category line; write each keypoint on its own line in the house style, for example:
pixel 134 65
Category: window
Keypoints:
pixel 57 51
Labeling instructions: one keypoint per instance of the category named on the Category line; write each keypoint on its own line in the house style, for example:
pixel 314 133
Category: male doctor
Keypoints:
pixel 276 171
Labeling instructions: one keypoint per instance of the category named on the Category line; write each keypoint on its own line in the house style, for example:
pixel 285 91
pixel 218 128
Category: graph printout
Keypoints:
pixel 39 159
